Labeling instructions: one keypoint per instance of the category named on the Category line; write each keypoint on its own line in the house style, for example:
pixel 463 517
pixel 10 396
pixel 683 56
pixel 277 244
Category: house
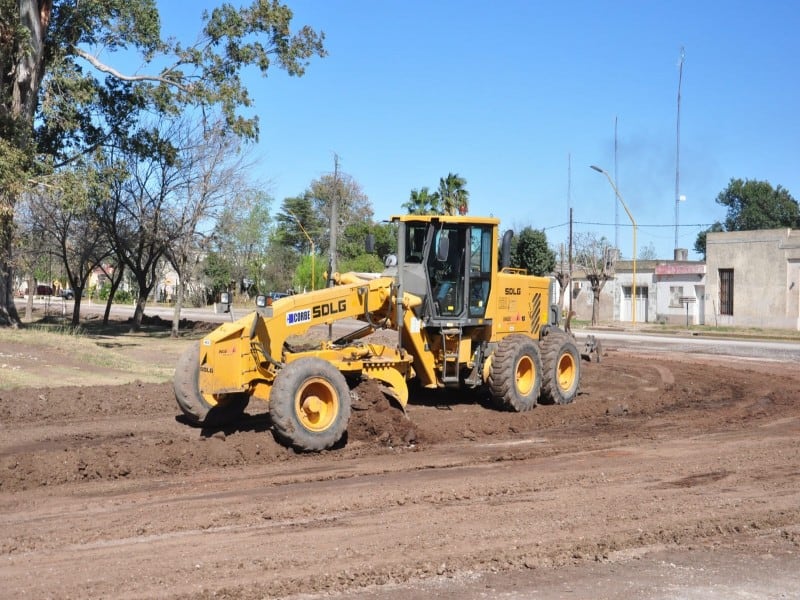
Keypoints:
pixel 753 278
pixel 667 291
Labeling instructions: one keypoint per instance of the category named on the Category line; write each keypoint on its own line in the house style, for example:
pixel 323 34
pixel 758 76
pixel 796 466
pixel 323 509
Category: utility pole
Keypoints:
pixel 569 286
pixel 616 182
pixel 334 217
pixel 678 148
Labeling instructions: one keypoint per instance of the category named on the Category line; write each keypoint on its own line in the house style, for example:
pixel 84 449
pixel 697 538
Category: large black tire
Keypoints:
pixel 562 369
pixel 515 378
pixel 309 404
pixel 210 411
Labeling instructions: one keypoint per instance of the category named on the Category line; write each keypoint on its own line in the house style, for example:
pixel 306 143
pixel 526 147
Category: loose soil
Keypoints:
pixel 670 476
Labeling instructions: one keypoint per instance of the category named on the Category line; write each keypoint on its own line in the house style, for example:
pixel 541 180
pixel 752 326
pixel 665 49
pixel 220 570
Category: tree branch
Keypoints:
pixel 113 72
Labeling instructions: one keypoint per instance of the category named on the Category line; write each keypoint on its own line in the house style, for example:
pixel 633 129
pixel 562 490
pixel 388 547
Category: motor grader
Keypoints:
pixel 463 319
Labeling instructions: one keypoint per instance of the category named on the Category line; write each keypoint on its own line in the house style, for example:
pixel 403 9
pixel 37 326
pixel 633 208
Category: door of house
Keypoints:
pixel 642 300
pixel 700 292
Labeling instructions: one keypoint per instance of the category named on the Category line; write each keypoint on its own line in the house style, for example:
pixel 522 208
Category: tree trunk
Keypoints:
pixel 23 94
pixel 596 306
pixel 176 315
pixel 116 280
pixel 8 310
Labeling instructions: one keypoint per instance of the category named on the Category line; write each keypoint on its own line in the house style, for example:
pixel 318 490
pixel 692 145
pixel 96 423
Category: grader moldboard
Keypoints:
pixel 461 321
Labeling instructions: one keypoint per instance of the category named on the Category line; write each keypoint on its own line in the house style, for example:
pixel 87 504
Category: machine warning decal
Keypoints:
pixel 298 316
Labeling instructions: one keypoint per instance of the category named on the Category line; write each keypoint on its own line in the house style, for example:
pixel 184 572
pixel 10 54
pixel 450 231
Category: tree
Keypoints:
pixel 213 170
pixel 532 253
pixel 58 100
pixel 352 207
pixel 422 202
pixel 648 252
pixel 594 255
pixel 753 204
pixel 700 243
pixel 65 212
pixel 242 236
pixel 453 195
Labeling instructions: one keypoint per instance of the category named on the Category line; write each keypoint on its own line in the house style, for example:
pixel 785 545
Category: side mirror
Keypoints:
pixel 443 248
pixel 505 249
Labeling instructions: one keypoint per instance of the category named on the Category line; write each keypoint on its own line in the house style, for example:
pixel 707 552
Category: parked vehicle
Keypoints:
pixel 67 294
pixel 272 296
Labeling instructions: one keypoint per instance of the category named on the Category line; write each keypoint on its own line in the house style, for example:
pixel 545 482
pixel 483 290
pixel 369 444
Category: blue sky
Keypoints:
pixel 508 94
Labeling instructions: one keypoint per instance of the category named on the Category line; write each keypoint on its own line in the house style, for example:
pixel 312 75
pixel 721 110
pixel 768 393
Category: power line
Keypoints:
pixel 598 224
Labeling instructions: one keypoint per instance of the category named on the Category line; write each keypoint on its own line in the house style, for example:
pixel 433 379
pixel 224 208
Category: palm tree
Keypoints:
pixel 454 197
pixel 422 202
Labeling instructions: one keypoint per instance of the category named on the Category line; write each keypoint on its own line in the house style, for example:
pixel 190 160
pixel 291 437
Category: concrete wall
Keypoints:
pixel 766 278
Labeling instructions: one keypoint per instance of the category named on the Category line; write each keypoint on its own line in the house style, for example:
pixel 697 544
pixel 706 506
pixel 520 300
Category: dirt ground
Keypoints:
pixel 671 476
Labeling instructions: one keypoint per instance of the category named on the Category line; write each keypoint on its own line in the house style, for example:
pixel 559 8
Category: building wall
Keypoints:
pixel 766 278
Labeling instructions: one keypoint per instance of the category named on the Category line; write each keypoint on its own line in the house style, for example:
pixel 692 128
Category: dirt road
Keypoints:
pixel 670 476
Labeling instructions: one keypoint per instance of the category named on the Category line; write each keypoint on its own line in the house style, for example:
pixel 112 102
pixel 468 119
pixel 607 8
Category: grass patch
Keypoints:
pixel 57 355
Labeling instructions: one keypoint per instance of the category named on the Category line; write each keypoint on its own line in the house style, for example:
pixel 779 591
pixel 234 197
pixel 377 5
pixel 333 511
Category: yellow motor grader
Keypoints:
pixel 463 319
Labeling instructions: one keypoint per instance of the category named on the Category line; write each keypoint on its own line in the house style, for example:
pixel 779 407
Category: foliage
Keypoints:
pixel 700 243
pixel 298 224
pixel 422 202
pixel 757 205
pixel 353 206
pixel 385 239
pixel 120 296
pixel 364 263
pixel 59 101
pixel 532 253
pixel 218 272
pixel 450 198
pixel 453 195
pixel 753 204
pixel 242 235
pixel 302 275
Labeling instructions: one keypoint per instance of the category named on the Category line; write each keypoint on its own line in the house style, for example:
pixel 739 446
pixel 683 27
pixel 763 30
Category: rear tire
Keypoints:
pixel 310 404
pixel 562 368
pixel 515 378
pixel 210 411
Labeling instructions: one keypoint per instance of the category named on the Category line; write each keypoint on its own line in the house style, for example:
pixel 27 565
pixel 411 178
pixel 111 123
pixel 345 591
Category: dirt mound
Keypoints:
pixel 378 418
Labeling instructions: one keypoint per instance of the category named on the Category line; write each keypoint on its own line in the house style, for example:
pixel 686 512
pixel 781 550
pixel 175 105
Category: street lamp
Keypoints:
pixel 310 241
pixel 633 222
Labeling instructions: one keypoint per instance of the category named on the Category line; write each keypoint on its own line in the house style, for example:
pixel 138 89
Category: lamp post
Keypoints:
pixel 310 241
pixel 633 222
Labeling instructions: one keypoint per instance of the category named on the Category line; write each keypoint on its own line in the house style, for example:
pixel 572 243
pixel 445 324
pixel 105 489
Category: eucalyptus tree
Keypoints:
pixel 60 100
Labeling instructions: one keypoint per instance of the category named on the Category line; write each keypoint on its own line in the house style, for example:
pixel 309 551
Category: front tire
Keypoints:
pixel 562 368
pixel 515 378
pixel 202 409
pixel 310 404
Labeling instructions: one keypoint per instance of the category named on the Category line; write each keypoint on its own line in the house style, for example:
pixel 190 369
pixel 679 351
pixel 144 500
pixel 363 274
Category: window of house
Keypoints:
pixel 726 291
pixel 675 293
